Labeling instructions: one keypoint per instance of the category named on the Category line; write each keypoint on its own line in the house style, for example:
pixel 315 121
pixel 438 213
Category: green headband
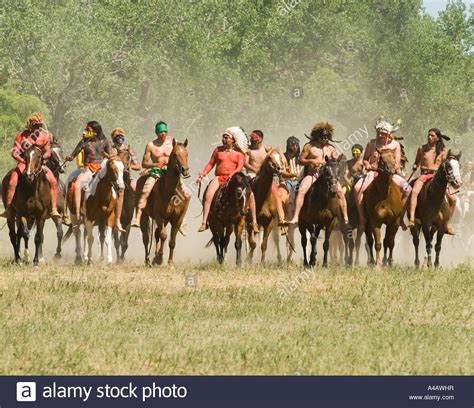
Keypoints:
pixel 161 127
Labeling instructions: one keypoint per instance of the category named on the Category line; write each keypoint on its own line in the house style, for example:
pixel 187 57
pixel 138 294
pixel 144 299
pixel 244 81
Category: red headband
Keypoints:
pixel 256 137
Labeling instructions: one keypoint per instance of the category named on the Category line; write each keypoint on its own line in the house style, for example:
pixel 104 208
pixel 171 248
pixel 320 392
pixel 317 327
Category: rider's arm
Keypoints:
pixel 240 162
pixel 146 161
pixel 210 165
pixel 47 150
pixel 76 150
pixel 398 157
pixel 17 149
pixel 367 153
pixel 303 159
pixel 416 165
pixel 247 164
pixel 134 165
pixel 108 147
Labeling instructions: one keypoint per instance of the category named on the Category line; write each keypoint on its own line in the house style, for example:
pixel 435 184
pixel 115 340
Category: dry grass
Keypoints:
pixel 134 320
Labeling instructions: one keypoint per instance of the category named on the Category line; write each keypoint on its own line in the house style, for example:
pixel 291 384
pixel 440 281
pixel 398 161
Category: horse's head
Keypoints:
pixel 239 186
pixel 126 157
pixel 115 168
pixel 33 157
pixel 56 159
pixel 275 160
pixel 453 169
pixel 330 173
pixel 387 162
pixel 179 159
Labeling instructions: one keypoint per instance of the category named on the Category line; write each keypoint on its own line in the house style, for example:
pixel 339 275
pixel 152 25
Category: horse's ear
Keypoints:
pixel 185 143
pixel 459 155
pixel 128 147
pixel 174 142
pixel 326 158
pixel 107 156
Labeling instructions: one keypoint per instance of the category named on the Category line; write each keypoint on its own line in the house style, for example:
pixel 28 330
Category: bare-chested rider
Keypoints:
pixel 254 159
pixel 354 167
pixel 384 141
pixel 155 159
pixel 313 158
pixel 428 159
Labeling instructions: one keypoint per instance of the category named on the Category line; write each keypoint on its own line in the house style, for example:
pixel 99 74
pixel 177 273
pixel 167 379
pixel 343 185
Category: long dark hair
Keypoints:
pixel 97 129
pixel 440 143
pixel 291 141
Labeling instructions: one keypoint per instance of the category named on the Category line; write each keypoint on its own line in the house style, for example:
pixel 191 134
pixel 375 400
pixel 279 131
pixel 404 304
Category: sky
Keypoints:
pixel 433 7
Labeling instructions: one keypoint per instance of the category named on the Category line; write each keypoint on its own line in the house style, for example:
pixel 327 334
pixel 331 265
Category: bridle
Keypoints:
pixel 36 173
pixel 182 170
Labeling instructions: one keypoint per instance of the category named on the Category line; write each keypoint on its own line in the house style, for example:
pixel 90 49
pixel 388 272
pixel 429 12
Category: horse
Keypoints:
pixel 31 203
pixel 320 210
pixel 383 205
pixel 168 203
pixel 228 214
pixel 99 202
pixel 265 201
pixel 432 210
pixel 121 241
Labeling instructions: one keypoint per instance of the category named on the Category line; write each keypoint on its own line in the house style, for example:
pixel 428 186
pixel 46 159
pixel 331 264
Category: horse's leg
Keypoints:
pixel 108 240
pixel 252 243
pixel 357 245
pixel 327 237
pixel 124 241
pixel 160 238
pixel 369 236
pixel 415 232
pixel 314 234
pixel 172 243
pixel 378 245
pixel 304 242
pixel 146 236
pixel 77 239
pixel 90 239
pixel 12 232
pixel 59 233
pixel 290 243
pixel 390 234
pixel 117 239
pixel 429 245
pixel 24 232
pixel 38 239
pixel 238 229
pixel 276 240
pixel 102 234
pixel 439 239
pixel 266 233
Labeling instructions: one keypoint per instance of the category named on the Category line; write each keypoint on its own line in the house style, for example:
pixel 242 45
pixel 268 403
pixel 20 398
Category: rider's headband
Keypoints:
pixel 161 127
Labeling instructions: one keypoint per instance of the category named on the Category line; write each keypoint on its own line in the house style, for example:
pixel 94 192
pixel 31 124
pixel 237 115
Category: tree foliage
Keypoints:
pixel 203 65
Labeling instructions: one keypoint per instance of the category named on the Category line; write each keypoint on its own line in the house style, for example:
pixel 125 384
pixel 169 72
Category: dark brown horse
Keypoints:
pixel 265 201
pixel 228 214
pixel 100 200
pixel 383 205
pixel 432 210
pixel 167 203
pixel 121 238
pixel 31 203
pixel 352 236
pixel 320 210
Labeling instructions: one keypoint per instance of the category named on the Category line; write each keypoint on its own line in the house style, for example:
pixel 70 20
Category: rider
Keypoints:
pixel 355 166
pixel 292 155
pixel 384 141
pixel 228 159
pixel 32 135
pixel 254 159
pixel 155 159
pixel 313 158
pixel 94 146
pixel 118 145
pixel 428 159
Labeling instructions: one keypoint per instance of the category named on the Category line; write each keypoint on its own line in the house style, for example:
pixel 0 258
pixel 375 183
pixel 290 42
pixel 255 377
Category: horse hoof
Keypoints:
pixel 78 261
pixel 325 265
pixel 157 261
pixel 57 256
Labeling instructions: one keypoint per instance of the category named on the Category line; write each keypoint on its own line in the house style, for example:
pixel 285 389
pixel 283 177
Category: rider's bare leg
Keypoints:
pixel 342 203
pixel 147 187
pixel 413 201
pixel 211 190
pixel 304 186
pixel 54 192
pixel 11 190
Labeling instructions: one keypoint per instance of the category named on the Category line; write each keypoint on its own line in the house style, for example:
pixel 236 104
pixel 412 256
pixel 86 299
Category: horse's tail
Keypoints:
pixel 67 235
pixel 210 243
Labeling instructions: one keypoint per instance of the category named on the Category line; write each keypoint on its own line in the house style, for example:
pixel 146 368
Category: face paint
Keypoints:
pixel 87 134
pixel 119 139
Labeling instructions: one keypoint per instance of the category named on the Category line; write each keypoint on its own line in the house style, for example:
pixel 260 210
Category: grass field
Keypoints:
pixel 203 319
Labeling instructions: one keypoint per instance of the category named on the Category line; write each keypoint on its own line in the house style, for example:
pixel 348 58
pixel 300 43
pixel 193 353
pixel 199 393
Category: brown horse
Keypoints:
pixel 121 238
pixel 265 201
pixel 99 202
pixel 320 210
pixel 432 210
pixel 228 214
pixel 383 205
pixel 168 203
pixel 31 203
